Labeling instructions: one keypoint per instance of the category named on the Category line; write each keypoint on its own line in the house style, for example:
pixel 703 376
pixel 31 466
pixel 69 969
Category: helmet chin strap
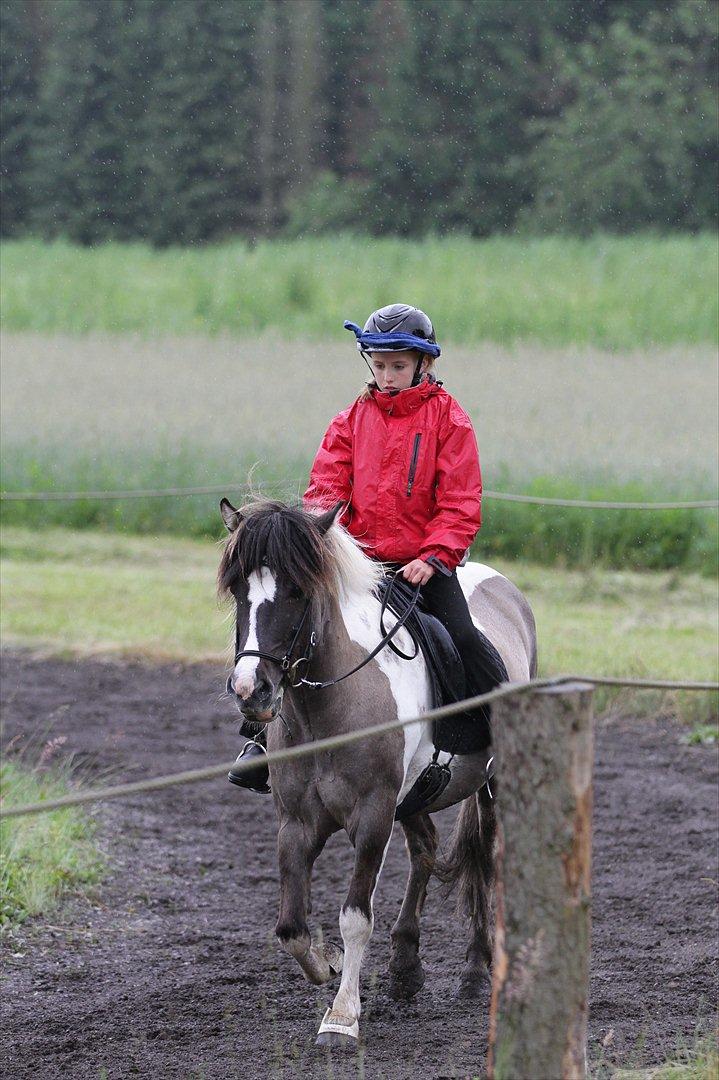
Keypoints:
pixel 416 378
pixel 363 354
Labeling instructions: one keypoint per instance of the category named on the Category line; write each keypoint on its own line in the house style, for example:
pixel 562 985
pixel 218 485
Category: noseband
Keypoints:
pixel 285 662
pixel 289 666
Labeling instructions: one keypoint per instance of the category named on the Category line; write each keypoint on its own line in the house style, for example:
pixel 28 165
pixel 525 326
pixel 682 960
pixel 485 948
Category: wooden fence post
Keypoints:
pixel 543 744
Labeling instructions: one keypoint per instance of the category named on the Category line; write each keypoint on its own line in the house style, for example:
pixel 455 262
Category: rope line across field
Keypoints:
pixel 210 772
pixel 221 489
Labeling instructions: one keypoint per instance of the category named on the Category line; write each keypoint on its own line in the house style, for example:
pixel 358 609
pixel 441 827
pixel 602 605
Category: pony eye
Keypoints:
pixel 294 593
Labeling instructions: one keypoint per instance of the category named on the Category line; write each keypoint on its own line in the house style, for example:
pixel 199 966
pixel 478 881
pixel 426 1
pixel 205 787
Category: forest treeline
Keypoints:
pixel 178 121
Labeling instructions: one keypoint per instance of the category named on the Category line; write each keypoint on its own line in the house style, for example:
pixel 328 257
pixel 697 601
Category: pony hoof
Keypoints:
pixel 404 985
pixel 337 1039
pixel 338 1031
pixel 474 985
pixel 334 957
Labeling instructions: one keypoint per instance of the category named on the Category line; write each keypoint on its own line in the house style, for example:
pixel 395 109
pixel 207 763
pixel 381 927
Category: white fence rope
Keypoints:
pixel 210 772
pixel 290 485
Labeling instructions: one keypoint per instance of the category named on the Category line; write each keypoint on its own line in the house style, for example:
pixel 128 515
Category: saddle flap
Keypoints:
pixel 444 665
pixel 466 732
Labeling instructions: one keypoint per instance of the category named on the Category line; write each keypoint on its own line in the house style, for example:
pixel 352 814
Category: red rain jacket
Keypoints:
pixel 408 467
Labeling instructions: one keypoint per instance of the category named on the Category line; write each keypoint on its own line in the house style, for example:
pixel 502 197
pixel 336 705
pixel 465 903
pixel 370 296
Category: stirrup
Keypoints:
pixel 489 776
pixel 256 779
pixel 426 789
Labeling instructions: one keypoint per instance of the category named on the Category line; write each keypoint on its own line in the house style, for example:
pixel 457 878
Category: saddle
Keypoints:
pixel 465 732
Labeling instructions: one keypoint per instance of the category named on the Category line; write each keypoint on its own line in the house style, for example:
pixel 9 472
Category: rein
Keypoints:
pixel 289 666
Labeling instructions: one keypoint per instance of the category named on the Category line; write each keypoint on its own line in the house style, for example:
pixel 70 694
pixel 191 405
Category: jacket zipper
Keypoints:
pixel 413 463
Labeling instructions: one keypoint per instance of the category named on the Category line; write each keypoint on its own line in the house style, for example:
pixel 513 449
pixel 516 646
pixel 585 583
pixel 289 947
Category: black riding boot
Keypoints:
pixel 257 778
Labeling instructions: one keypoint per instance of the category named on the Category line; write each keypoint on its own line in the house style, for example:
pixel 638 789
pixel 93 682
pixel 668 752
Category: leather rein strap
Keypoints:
pixel 288 665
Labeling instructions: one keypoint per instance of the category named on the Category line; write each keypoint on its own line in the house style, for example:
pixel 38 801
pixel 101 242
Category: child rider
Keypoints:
pixel 404 459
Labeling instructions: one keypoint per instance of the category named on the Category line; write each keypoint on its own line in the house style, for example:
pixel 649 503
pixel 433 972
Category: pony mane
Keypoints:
pixel 357 574
pixel 287 539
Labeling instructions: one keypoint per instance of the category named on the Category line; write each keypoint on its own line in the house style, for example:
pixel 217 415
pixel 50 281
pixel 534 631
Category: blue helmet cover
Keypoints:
pixel 392 342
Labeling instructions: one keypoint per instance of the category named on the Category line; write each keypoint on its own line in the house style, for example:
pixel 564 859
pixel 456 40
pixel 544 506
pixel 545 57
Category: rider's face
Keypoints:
pixel 395 371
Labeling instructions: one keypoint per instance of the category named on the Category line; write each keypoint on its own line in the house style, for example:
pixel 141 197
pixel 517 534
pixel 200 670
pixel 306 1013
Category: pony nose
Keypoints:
pixel 246 686
pixel 242 685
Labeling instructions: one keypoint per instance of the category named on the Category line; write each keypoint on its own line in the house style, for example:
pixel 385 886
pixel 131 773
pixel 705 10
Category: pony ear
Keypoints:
pixel 230 515
pixel 330 517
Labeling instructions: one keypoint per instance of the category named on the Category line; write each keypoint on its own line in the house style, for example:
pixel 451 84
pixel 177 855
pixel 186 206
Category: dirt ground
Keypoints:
pixel 173 970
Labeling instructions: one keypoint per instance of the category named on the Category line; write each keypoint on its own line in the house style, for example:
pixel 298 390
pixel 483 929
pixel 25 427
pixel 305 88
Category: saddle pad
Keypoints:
pixel 467 732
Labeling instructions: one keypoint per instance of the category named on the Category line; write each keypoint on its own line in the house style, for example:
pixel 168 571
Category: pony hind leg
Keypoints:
pixel 469 865
pixel 476 978
pixel 340 1025
pixel 297 853
pixel 405 966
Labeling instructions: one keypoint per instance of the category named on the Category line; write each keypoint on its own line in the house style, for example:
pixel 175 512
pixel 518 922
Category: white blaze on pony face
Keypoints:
pixel 261 588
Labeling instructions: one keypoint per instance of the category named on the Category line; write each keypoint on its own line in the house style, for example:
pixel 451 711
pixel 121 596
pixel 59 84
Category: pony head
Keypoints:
pixel 281 566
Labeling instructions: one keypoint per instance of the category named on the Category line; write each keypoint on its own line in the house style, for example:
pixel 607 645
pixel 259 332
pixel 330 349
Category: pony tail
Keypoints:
pixel 468 864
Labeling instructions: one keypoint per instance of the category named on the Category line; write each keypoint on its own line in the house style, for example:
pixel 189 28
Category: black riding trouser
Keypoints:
pixel 443 597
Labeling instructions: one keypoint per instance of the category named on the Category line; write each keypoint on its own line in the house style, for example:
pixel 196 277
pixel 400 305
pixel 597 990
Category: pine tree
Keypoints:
pixel 200 120
pixel 187 120
pixel 21 45
pixel 349 30
pixel 90 110
pixel 636 145
pixel 304 111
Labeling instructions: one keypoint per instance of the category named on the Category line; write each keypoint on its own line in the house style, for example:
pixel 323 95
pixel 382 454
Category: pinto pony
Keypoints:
pixel 305 592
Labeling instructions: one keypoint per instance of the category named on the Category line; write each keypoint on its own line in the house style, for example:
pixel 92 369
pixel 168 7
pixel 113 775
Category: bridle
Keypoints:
pixel 285 662
pixel 289 666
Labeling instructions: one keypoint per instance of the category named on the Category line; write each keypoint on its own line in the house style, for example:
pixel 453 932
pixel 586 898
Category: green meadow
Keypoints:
pixel 106 412
pixel 588 368
pixel 616 293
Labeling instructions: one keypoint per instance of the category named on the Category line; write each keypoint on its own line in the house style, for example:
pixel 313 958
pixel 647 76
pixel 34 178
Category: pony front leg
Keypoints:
pixel 297 854
pixel 340 1025
pixel 406 972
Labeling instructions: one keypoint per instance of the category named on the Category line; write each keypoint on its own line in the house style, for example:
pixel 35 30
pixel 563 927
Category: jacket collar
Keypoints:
pixel 407 401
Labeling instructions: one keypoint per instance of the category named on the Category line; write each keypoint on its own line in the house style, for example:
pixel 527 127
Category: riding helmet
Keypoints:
pixel 399 319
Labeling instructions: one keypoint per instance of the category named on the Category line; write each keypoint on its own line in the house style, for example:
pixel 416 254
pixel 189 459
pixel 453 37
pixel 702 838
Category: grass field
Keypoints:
pixel 618 293
pixel 84 592
pixel 42 858
pixel 104 412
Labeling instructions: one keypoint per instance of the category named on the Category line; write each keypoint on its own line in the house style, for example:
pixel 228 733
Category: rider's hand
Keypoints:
pixel 417 572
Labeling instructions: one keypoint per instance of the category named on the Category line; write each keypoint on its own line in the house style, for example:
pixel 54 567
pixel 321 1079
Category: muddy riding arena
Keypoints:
pixel 172 969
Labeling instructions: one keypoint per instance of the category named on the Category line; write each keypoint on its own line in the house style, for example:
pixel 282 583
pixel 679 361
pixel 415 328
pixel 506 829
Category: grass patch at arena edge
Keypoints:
pixel 93 593
pixel 695 1060
pixel 47 856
